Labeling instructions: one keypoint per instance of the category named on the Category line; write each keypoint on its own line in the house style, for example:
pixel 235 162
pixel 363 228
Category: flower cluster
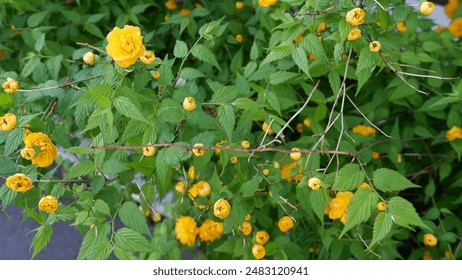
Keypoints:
pixel 285 172
pixel 355 17
pixel 210 231
pixel 454 133
pixel 186 230
pixel 363 130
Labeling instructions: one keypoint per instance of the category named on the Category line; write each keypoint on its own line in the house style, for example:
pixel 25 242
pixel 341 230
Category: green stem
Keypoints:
pixel 184 59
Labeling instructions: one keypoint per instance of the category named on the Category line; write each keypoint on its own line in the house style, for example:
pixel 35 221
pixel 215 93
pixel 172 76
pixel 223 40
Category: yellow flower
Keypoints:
pixel 197 151
pixel 454 133
pixel 10 86
pixel 399 158
pixel 149 150
pixel 218 145
pixel 186 230
pixel 364 185
pixel 184 12
pixel 456 27
pixel 258 250
pixel 89 58
pixel 239 38
pixel 285 172
pixel 8 122
pixel 47 150
pixel 297 155
pixel 189 104
pixel 148 57
pixel 191 173
pixel 321 27
pixel 48 204
pixel 285 223
pixel 363 130
pixel 266 128
pixel 299 128
pixel 248 217
pixel 210 231
pixel 267 3
pixel 221 208
pixel 314 183
pixel 307 122
pixel 171 5
pixel 354 34
pixel 245 144
pixel 381 206
pixel 28 153
pixel 156 75
pixel 180 187
pixel 375 46
pixel 203 188
pixel 233 160
pixel 239 5
pixel 426 8
pixel 439 29
pixel 125 45
pixel 312 57
pixel 246 228
pixel 451 7
pixel 430 240
pixel 197 5
pixel 276 165
pixel 401 26
pixel 298 38
pixel 19 183
pixel 265 171
pixel 375 155
pixel 339 205
pixel 261 237
pixel 355 16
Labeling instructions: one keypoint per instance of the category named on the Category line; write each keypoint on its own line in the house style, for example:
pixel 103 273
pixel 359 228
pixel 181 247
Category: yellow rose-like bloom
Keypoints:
pixel 297 155
pixel 28 153
pixel 148 57
pixel 233 160
pixel 8 122
pixel 193 192
pixel 307 122
pixel 203 188
pixel 48 152
pixel 149 151
pixel 401 26
pixel 186 230
pixel 261 237
pixel 245 144
pixel 356 16
pixel 221 208
pixel 19 183
pixel 381 206
pixel 246 228
pixel 364 185
pixel 375 155
pixel 430 240
pixel 189 104
pixel 451 7
pixel 180 187
pixel 363 130
pixel 184 12
pixel 210 231
pixel 266 3
pixel 426 8
pixel 125 45
pixel 89 58
pixel 314 183
pixel 239 38
pixel 354 34
pixel 171 5
pixel 321 27
pixel 454 133
pixel 338 206
pixel 285 223
pixel 285 172
pixel 156 75
pixel 266 128
pixel 197 151
pixel 375 46
pixel 10 86
pixel 456 27
pixel 239 5
pixel 48 204
pixel 258 251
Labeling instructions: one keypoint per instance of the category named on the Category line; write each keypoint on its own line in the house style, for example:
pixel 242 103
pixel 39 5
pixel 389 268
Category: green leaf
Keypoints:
pixel 404 213
pixel 181 49
pixel 246 104
pixel 280 77
pixel 7 195
pixel 13 140
pixel 132 217
pixel 131 241
pixel 273 101
pixel 362 204
pixel 35 19
pixel 382 226
pixel 97 183
pixel 350 176
pixel 94 240
pixel 334 81
pixel 81 169
pixel 390 180
pixel 102 208
pixel 430 46
pixel 41 239
pixel 189 73
pixel 127 108
pixel 227 119
pixel 250 187
pixel 203 53
pixel 344 28
pixel 225 94
pixel 313 45
pixel 209 30
pixel 318 201
pixel 227 246
pixel 9 167
pixel 301 59
pixel 30 66
pixel 53 65
pixel 170 111
pixel 113 166
pixel 367 59
pixel 278 52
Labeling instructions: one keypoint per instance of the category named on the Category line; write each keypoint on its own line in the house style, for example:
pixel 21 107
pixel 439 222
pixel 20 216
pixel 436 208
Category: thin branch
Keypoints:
pixel 428 76
pixel 288 203
pixel 367 246
pixel 92 47
pixel 59 86
pixel 412 66
pixel 378 3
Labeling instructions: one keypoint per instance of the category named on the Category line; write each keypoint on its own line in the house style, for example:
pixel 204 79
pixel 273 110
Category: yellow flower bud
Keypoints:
pixel 148 57
pixel 261 237
pixel 381 206
pixel 203 188
pixel 266 171
pixel 298 38
pixel 266 3
pixel 149 150
pixel 295 156
pixel 28 153
pixel 401 26
pixel 184 12
pixel 233 160
pixel 239 5
pixel 375 46
pixel 375 155
pixel 285 223
pixel 189 104
pixel 258 251
pixel 197 151
pixel 430 240
pixel 10 86
pixel 239 38
pixel 248 217
pixel 452 134
pixel 355 16
pixel 180 187
pixel 48 204
pixel 276 165
pixel 19 183
pixel 321 27
pixel 171 5
pixel 8 122
pixel 314 183
pixel 191 173
pixel 221 208
pixel 266 128
pixel 354 34
pixel 246 228
pixel 245 144
pixel 364 185
pixel 89 58
pixel 156 75
pixel 426 8
pixel 307 122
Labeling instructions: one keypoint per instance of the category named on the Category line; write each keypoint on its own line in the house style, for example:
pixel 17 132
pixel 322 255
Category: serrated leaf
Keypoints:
pixel 181 49
pixel 225 94
pixel 170 111
pixel 382 226
pixel 94 240
pixel 41 239
pixel 313 45
pixel 53 65
pixel 30 66
pixel 132 217
pixel 208 30
pixel 367 59
pixel 349 177
pixel 273 101
pixel 189 73
pixel 360 209
pixel 250 187
pixel 226 118
pixel 227 246
pixel 113 166
pixel 127 108
pixel 8 167
pixel 35 19
pixel 318 201
pixel 203 53
pixel 131 241
pixel 81 169
pixel 246 104
pixel 404 213
pixel 277 53
pixel 13 140
pixel 334 81
pixel 280 77
pixel 389 180
pixel 301 59
pixel 7 195
pixel 102 208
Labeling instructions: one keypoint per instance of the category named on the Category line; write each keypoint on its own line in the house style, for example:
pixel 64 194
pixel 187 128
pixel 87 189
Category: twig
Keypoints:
pixel 428 76
pixel 92 47
pixel 59 86
pixel 378 3
pixel 367 246
pixel 288 203
pixel 411 66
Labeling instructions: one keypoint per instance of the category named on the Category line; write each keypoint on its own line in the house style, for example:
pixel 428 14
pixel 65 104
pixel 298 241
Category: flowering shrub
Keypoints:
pixel 251 129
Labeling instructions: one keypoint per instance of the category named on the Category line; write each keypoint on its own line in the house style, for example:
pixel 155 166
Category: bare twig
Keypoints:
pixel 69 83
pixel 92 47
